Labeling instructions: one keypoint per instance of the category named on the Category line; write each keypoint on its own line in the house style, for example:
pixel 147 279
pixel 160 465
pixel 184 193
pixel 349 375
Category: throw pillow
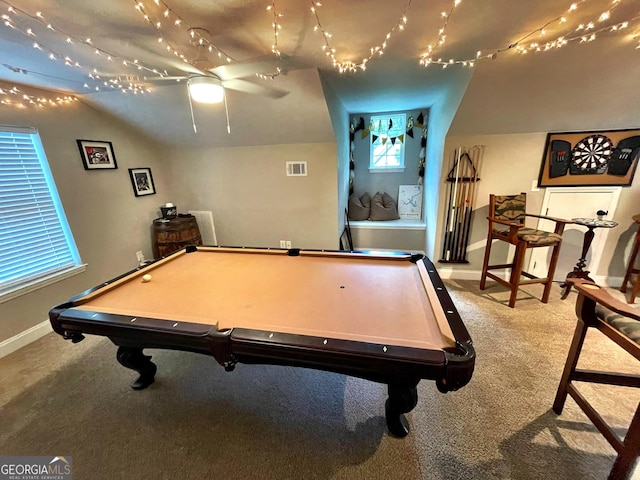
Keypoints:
pixel 359 207
pixel 383 207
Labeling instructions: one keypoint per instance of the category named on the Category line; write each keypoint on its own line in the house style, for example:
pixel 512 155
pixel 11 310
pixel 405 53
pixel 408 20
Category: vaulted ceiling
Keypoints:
pixel 115 56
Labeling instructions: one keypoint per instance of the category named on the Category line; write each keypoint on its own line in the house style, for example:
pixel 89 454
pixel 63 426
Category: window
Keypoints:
pixel 387 142
pixel 36 245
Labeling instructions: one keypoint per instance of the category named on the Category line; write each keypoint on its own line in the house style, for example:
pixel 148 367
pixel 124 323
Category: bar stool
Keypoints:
pixel 507 224
pixel 631 271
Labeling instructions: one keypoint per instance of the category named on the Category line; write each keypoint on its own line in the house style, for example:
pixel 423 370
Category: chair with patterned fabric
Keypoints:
pixel 633 273
pixel 507 214
pixel 598 310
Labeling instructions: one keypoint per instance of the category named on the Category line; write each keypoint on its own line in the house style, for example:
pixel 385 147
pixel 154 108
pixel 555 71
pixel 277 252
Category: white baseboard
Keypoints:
pixel 448 273
pixel 22 339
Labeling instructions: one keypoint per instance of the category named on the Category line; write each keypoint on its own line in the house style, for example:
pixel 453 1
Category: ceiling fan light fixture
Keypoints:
pixel 205 89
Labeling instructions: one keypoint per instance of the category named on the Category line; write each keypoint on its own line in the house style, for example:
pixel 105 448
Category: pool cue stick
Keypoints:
pixel 471 201
pixel 460 182
pixel 454 219
pixel 476 172
pixel 451 207
pixel 473 175
pixel 446 225
pixel 463 206
pixel 459 173
pixel 447 238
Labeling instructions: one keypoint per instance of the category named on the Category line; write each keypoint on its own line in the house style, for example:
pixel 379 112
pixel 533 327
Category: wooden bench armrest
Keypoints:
pixel 604 298
pixel 553 219
pixel 560 222
pixel 513 228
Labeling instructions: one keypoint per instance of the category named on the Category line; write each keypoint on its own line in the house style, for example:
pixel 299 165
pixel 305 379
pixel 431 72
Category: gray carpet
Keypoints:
pixel 265 422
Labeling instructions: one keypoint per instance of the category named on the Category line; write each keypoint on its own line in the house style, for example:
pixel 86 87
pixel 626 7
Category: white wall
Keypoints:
pixel 513 102
pixel 108 222
pixel 253 202
pixel 504 173
pixel 340 123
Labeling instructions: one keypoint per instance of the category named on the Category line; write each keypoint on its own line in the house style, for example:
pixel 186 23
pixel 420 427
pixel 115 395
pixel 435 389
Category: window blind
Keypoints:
pixel 35 239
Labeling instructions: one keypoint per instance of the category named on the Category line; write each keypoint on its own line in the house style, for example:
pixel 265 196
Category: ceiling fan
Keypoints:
pixel 232 77
pixel 208 85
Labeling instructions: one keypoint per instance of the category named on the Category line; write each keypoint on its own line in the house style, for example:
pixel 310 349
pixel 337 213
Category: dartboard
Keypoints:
pixel 592 153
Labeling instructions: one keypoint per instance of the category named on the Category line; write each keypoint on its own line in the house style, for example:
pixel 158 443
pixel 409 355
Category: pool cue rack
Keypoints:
pixel 462 180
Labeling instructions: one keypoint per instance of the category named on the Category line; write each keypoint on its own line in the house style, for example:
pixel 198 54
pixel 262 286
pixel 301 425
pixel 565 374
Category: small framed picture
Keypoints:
pixel 142 181
pixel 97 155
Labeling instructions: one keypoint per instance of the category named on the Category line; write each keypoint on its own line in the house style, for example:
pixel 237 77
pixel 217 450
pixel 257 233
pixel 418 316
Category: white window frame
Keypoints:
pixel 36 244
pixel 379 127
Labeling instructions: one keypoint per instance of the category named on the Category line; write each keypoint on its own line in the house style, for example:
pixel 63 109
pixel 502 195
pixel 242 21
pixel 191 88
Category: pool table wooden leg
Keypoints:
pixel 133 358
pixel 403 397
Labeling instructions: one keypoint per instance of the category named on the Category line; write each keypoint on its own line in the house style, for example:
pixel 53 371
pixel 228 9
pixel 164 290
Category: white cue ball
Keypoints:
pixel 146 278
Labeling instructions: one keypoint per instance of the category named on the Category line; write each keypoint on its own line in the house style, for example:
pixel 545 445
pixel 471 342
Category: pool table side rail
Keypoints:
pixel 102 288
pixel 452 369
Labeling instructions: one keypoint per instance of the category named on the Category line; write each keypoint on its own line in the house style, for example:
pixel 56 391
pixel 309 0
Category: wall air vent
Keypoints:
pixel 296 169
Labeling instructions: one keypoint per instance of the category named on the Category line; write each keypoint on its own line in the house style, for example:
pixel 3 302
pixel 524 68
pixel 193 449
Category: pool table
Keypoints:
pixel 382 316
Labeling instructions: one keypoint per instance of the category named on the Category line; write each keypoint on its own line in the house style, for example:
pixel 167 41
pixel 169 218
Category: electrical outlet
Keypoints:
pixel 283 244
pixel 140 257
pixel 534 186
pixel 288 244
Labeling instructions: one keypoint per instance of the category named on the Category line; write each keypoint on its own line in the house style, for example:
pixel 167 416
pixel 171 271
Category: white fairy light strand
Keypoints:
pixel 425 58
pixel 174 19
pixel 276 25
pixel 378 50
pixel 276 28
pixel 589 35
pixel 23 101
pixel 559 42
pixel 15 16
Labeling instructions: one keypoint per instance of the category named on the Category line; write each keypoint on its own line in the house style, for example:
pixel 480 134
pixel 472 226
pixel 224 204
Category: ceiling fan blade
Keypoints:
pixel 165 80
pixel 254 88
pixel 266 65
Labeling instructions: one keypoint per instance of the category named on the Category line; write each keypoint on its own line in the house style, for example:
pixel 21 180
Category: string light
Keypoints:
pixel 520 47
pixel 378 50
pixel 425 58
pixel 13 97
pixel 579 37
pixel 20 16
pixel 162 17
pixel 274 48
pixel 198 35
pixel 276 27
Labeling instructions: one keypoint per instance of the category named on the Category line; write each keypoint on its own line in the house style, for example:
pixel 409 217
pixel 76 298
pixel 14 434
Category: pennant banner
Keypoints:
pixel 399 138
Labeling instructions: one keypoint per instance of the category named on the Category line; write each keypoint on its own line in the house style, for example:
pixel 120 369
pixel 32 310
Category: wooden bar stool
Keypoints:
pixel 633 274
pixel 599 311
pixel 507 214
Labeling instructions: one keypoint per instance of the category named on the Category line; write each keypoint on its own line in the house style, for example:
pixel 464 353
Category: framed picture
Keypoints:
pixel 142 181
pixel 410 202
pixel 600 158
pixel 97 155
